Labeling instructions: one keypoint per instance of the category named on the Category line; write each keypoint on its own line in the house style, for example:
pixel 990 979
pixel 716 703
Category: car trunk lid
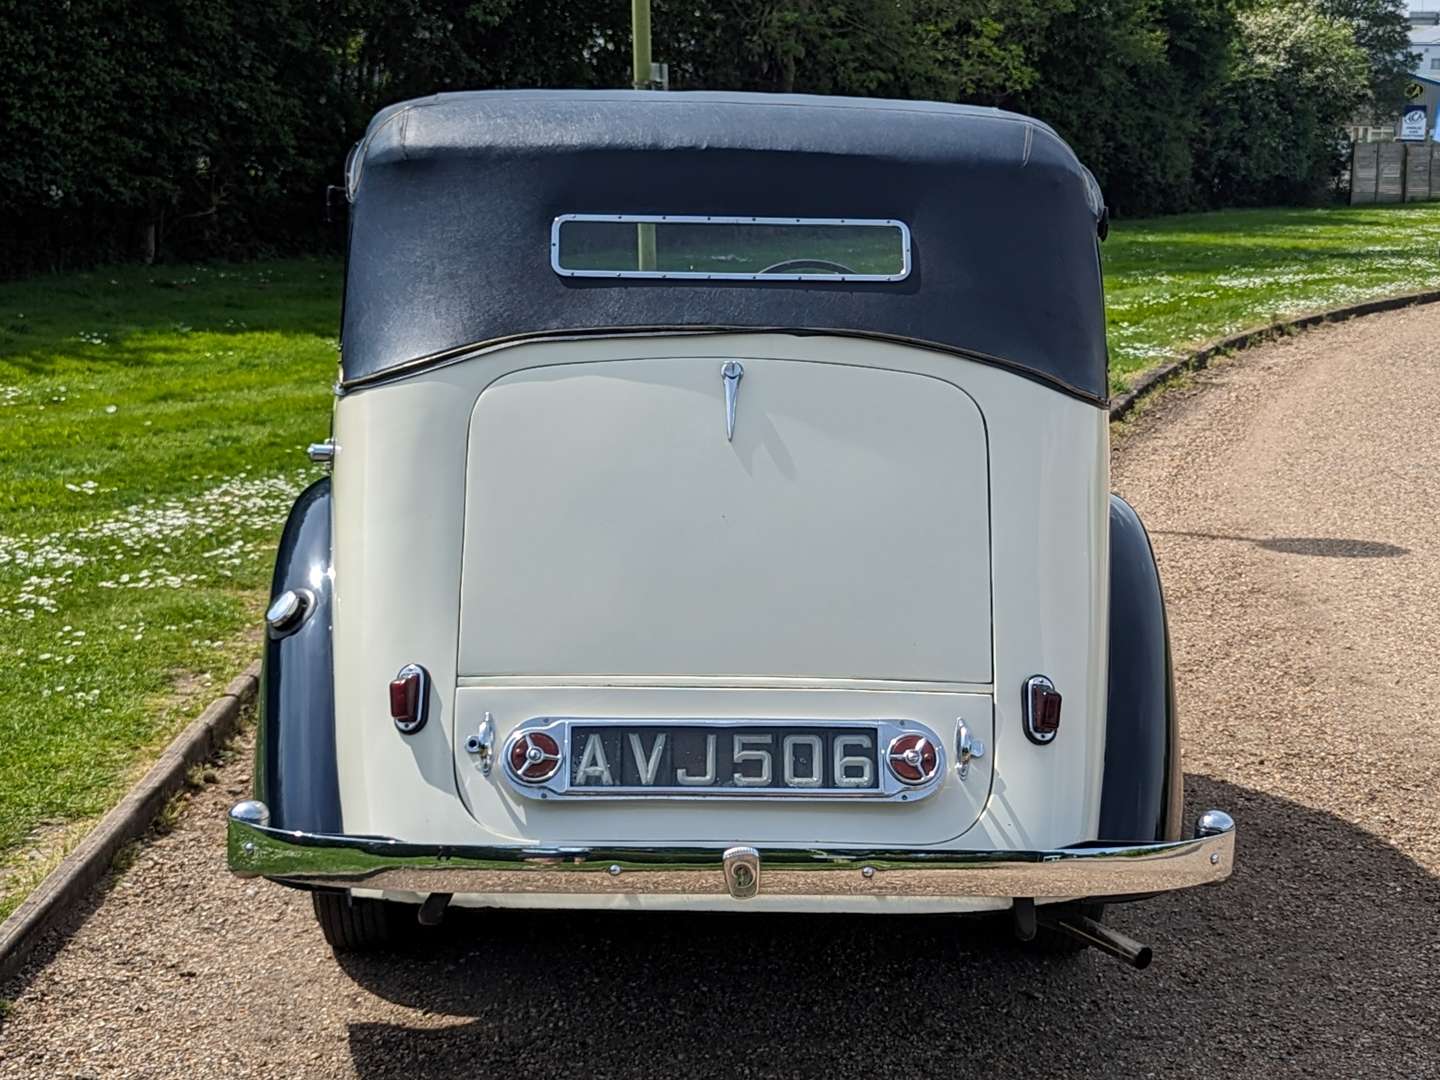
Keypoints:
pixel 730 540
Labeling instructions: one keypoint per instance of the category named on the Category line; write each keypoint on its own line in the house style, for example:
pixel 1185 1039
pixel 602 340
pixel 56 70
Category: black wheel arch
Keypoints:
pixel 295 770
pixel 1143 792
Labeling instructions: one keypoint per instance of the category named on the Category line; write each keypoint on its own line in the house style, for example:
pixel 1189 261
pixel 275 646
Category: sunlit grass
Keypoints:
pixel 152 425
pixel 1175 282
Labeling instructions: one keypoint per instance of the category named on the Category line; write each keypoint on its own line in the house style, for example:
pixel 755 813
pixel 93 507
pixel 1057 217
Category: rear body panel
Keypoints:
pixel 563 529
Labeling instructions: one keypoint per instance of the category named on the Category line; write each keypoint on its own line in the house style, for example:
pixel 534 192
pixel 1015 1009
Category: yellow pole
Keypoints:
pixel 640 38
pixel 640 42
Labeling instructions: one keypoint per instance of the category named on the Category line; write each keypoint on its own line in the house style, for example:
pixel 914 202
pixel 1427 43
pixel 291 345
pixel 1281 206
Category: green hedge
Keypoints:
pixel 189 128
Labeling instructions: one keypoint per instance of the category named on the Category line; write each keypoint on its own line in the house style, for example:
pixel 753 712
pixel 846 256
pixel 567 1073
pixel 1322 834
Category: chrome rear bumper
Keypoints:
pixel 258 850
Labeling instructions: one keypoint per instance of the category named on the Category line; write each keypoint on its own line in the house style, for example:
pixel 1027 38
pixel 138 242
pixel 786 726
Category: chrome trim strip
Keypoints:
pixel 702 219
pixel 559 784
pixel 256 850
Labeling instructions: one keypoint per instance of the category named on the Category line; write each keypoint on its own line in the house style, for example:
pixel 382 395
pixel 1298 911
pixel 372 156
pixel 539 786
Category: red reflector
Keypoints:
pixel 404 696
pixel 912 758
pixel 534 757
pixel 1042 709
pixel 1047 712
pixel 408 692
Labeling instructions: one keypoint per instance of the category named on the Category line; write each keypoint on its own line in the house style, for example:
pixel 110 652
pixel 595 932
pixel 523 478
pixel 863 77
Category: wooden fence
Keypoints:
pixel 1394 172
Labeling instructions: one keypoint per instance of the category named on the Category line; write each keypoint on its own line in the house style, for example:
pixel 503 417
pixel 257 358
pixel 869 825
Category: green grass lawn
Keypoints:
pixel 152 431
pixel 1174 282
pixel 152 427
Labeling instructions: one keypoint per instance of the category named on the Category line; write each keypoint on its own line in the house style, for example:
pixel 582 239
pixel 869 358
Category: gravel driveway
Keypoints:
pixel 1292 497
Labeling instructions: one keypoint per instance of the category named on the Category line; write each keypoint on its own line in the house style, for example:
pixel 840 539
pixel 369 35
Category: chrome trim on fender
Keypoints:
pixel 559 783
pixel 371 862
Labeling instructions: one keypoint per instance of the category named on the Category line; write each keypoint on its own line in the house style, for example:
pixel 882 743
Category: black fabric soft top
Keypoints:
pixel 454 195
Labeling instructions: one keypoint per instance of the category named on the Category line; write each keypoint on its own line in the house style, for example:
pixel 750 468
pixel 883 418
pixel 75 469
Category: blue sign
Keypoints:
pixel 1412 123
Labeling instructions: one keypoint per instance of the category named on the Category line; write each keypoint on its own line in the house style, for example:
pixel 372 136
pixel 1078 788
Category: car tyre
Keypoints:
pixel 358 924
pixel 1051 942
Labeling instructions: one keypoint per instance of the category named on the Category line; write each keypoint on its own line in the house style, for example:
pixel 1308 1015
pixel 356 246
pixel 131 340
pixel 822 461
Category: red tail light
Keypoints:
pixel 534 757
pixel 1041 706
pixel 912 758
pixel 409 698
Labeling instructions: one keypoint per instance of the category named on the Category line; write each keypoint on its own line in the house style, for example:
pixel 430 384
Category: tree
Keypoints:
pixel 987 52
pixel 195 127
pixel 1146 68
pixel 124 120
pixel 857 47
pixel 1383 33
pixel 1298 76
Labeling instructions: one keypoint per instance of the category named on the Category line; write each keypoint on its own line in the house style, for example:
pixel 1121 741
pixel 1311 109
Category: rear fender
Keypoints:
pixel 295 771
pixel 1143 793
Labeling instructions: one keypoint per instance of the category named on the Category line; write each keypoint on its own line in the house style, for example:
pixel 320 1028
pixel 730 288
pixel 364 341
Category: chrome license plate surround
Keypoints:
pixel 563 784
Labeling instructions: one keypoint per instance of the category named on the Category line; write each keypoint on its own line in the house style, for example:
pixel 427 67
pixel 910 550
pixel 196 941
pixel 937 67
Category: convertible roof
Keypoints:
pixel 454 195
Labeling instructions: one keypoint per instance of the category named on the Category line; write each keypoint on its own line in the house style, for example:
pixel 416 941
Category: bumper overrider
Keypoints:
pixel 256 849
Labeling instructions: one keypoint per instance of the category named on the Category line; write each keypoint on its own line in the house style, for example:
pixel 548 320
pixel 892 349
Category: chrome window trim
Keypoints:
pixel 704 219
pixel 889 788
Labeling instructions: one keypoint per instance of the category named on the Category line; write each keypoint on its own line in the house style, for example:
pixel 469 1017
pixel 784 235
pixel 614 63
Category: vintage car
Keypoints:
pixel 718 519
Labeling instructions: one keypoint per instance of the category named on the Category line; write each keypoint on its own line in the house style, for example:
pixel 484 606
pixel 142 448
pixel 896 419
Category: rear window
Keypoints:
pixel 729 248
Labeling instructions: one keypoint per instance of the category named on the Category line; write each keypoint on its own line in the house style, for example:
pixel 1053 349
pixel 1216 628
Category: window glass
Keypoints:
pixel 729 248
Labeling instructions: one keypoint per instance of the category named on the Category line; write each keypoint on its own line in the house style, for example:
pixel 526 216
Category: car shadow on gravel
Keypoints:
pixel 1321 952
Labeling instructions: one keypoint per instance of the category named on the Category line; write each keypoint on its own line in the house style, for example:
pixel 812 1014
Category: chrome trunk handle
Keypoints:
pixel 967 748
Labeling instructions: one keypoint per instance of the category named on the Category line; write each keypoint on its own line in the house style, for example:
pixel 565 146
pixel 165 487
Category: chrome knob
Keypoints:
pixel 251 812
pixel 288 610
pixel 1213 823
pixel 322 453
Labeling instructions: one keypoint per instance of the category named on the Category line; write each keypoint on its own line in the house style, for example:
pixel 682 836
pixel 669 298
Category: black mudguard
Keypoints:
pixel 1143 795
pixel 295 771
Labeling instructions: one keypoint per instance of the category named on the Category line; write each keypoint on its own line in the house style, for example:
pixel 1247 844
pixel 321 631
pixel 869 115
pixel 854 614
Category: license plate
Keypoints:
pixel 759 759
pixel 751 759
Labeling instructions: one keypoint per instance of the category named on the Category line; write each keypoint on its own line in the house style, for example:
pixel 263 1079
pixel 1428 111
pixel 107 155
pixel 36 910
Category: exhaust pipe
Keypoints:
pixel 1085 929
pixel 432 911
